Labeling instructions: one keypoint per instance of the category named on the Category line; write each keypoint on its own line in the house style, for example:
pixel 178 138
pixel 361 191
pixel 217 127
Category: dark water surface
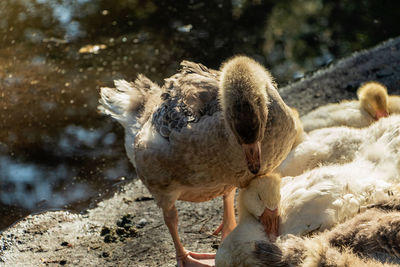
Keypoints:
pixel 57 151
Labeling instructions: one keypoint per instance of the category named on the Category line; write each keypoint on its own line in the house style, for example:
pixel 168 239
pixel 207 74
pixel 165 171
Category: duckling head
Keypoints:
pixel 244 100
pixel 260 200
pixel 373 98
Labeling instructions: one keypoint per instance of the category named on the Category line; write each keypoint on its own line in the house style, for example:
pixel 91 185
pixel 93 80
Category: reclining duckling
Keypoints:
pixel 251 242
pixel 339 145
pixel 373 103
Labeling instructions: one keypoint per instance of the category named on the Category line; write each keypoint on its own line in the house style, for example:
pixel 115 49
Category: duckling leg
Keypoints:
pixel 185 258
pixel 229 220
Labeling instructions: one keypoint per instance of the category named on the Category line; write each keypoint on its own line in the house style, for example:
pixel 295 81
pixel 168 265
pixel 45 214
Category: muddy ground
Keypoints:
pixel 128 229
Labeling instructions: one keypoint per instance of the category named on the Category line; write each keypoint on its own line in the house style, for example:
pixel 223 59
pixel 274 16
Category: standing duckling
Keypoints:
pixel 203 134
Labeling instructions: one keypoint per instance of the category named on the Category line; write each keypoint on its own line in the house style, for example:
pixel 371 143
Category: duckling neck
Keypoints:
pixel 243 97
pixel 249 228
pixel 244 215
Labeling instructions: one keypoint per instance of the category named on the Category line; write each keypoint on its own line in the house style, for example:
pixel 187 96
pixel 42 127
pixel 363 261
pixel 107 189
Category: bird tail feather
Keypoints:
pixel 127 100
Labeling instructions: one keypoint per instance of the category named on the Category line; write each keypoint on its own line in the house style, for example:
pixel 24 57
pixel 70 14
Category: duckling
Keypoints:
pixel 329 194
pixel 372 105
pixel 307 252
pixel 337 145
pixel 258 209
pixel 373 233
pixel 324 196
pixel 201 135
pixel 251 242
pixel 373 98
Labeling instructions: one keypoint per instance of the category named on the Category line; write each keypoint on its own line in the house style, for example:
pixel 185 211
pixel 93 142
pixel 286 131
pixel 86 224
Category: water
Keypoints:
pixel 58 152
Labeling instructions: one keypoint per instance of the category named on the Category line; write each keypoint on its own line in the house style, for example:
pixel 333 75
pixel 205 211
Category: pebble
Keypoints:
pixel 142 222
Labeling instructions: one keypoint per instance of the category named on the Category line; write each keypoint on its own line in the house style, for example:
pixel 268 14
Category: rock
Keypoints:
pixel 141 223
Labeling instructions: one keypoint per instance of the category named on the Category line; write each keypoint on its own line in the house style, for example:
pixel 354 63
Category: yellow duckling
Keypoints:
pixel 373 103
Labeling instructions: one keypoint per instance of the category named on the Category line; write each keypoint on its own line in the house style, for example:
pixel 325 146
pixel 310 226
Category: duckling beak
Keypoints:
pixel 253 156
pixel 380 113
pixel 270 220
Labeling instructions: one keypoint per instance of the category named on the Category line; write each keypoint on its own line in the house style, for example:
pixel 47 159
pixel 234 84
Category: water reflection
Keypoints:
pixel 28 185
pixel 57 151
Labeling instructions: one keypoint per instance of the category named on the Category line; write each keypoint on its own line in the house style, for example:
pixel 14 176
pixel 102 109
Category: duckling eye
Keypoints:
pixel 259 196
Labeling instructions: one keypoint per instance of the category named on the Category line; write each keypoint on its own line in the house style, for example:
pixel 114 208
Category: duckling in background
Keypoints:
pixel 203 134
pixel 373 103
pixel 249 244
pixel 373 97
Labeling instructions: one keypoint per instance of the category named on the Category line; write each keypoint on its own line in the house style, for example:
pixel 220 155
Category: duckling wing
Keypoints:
pixel 304 206
pixel 187 97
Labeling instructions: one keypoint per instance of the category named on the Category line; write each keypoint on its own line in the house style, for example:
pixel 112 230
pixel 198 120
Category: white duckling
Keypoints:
pixel 336 145
pixel 255 204
pixel 372 105
pixel 249 245
pixel 326 195
pixel 205 133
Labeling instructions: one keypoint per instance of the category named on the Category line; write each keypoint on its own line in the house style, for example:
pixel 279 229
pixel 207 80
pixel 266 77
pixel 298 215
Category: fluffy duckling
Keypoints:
pixel 256 203
pixel 203 134
pixel 373 97
pixel 373 233
pixel 322 197
pixel 329 194
pixel 337 145
pixel 372 105
pixel 307 252
pixel 249 244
